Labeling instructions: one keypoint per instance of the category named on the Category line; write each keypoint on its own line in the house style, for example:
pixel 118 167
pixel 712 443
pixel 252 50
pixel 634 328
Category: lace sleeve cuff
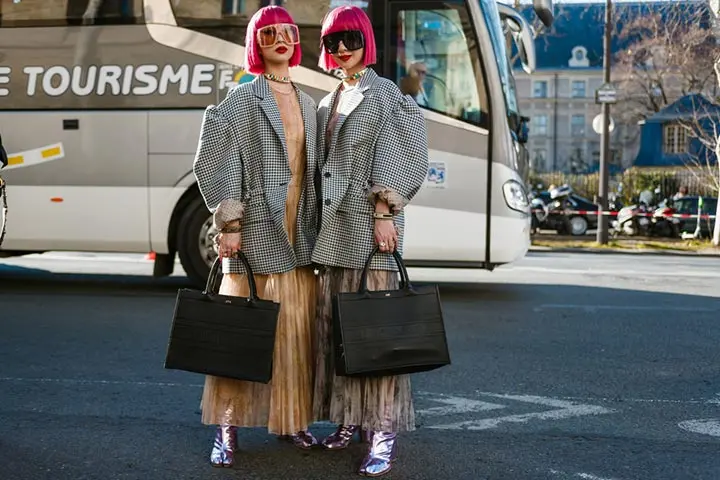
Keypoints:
pixel 395 201
pixel 227 211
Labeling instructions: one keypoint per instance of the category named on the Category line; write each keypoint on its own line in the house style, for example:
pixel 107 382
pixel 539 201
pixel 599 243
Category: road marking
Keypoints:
pixel 455 405
pixel 643 400
pixel 96 382
pixel 708 426
pixel 616 273
pixel 591 308
pixel 584 476
pixel 88 258
pixel 562 409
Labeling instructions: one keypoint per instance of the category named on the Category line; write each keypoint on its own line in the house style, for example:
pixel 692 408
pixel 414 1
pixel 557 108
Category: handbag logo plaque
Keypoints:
pixel 390 332
pixel 221 335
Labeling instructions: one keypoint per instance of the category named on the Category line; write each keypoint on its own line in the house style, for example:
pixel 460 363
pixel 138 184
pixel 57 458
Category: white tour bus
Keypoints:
pixel 101 103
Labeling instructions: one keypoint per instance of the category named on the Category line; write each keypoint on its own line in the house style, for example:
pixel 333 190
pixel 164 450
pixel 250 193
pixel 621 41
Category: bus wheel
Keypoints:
pixel 195 241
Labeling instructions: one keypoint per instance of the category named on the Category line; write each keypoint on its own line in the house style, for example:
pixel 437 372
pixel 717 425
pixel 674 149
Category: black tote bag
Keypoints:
pixel 390 332
pixel 222 335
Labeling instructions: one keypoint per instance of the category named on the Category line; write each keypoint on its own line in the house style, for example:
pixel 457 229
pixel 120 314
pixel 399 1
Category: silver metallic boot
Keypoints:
pixel 382 452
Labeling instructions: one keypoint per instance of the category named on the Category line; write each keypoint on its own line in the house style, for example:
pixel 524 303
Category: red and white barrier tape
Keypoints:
pixel 614 214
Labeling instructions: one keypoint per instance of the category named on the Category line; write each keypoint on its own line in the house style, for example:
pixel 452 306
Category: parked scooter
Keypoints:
pixel 647 218
pixel 662 223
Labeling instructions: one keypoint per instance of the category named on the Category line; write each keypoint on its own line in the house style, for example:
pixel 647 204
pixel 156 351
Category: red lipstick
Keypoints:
pixel 345 58
pixel 281 49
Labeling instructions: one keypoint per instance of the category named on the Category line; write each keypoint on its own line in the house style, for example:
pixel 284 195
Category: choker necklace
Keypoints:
pixel 357 75
pixel 275 78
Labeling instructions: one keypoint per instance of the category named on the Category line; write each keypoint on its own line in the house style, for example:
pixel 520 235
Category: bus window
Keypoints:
pixel 436 61
pixel 45 13
pixel 228 19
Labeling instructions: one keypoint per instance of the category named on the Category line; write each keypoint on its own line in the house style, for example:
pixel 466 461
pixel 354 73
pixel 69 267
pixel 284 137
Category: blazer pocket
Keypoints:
pixel 256 210
pixel 356 204
pixel 276 199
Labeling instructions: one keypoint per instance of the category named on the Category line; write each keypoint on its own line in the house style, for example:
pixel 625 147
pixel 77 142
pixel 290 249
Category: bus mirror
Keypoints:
pixel 523 34
pixel 544 11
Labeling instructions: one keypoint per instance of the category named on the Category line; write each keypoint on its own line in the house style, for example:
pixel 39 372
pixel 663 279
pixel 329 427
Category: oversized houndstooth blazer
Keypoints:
pixel 378 148
pixel 242 170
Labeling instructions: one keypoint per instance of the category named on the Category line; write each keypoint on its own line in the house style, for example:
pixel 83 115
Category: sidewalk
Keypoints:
pixel 636 246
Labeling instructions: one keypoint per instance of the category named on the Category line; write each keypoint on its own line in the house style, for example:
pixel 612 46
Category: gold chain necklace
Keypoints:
pixel 356 75
pixel 276 78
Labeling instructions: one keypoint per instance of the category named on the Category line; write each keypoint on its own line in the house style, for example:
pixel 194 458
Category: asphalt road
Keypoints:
pixel 565 366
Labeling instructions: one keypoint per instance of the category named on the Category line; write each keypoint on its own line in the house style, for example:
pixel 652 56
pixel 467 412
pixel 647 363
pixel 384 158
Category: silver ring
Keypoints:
pixel 382 244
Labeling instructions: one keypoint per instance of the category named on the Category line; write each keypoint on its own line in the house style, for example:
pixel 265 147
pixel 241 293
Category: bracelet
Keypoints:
pixel 382 216
pixel 231 229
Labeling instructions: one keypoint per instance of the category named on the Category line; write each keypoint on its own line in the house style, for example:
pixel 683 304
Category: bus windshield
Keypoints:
pixel 492 19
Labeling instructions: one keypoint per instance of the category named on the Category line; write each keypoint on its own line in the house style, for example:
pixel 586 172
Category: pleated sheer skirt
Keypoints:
pixel 381 403
pixel 284 405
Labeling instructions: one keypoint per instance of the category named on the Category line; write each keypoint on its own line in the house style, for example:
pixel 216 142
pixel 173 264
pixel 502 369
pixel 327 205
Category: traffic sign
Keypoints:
pixel 607 93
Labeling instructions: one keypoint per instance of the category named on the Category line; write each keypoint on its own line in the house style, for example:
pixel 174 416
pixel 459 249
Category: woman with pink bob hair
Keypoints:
pixel 255 167
pixel 373 160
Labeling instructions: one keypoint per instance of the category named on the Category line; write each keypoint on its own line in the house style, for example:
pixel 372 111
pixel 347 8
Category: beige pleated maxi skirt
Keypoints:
pixel 285 404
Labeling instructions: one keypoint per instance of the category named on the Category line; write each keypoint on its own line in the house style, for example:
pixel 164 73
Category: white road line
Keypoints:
pixel 643 400
pixel 455 405
pixel 96 382
pixel 643 308
pixel 708 426
pixel 45 257
pixel 584 476
pixel 617 273
pixel 563 409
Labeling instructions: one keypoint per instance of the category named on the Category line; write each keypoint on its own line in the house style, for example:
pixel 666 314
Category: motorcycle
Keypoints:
pixel 662 223
pixel 646 219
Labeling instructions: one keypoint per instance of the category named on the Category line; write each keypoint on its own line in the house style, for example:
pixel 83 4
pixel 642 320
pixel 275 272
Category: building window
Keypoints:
pixel 539 125
pixel 579 57
pixel 675 139
pixel 577 125
pixel 233 7
pixel 539 160
pixel 578 89
pixel 540 88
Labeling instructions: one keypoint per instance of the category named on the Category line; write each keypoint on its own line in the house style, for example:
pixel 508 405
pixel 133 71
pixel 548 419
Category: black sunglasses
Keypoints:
pixel 352 39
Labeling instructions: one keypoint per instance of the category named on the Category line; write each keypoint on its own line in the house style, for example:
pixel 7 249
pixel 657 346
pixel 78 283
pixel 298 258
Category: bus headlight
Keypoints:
pixel 515 196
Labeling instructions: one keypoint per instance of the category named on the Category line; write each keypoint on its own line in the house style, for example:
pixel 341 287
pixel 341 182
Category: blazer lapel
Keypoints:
pixel 310 142
pixel 270 108
pixel 325 108
pixel 349 101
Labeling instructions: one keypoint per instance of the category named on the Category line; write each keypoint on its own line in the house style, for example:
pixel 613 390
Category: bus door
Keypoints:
pixel 431 50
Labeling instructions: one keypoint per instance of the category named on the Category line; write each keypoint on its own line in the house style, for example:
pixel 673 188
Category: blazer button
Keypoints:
pixel 328 201
pixel 327 174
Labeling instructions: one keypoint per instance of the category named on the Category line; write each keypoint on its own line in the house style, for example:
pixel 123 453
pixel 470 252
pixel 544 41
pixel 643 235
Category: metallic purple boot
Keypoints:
pixel 302 439
pixel 341 438
pixel 224 446
pixel 383 451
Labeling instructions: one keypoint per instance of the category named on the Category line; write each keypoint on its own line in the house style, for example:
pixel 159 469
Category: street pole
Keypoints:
pixel 602 231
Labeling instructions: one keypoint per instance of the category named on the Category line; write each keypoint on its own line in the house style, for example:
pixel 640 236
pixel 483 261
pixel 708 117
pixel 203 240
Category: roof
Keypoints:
pixel 582 25
pixel 693 105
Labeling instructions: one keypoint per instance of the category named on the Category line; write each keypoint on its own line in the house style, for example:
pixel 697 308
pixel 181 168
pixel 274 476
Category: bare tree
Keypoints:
pixel 715 9
pixel 669 52
pixel 702 124
pixel 541 31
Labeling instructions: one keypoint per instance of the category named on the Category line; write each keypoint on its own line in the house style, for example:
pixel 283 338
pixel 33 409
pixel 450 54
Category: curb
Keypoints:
pixel 623 251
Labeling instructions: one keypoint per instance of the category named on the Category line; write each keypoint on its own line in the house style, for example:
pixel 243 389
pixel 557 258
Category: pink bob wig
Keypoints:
pixel 266 16
pixel 345 18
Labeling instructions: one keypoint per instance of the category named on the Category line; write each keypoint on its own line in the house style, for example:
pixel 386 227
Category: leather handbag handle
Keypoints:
pixel 404 278
pixel 211 287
